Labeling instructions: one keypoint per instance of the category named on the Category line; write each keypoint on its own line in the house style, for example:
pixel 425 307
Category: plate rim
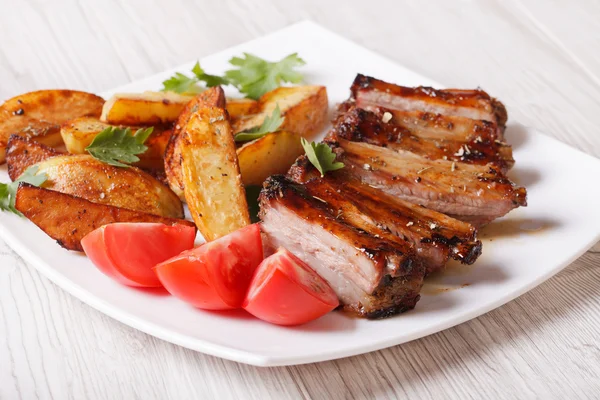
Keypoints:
pixel 249 357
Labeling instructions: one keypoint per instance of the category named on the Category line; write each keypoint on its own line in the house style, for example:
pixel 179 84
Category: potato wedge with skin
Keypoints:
pixel 38 115
pixel 240 108
pixel 153 159
pixel 67 218
pixel 77 134
pixel 211 176
pixel 214 97
pixel 144 109
pixel 305 110
pixel 269 155
pixel 83 176
pixel 151 108
pixel 21 153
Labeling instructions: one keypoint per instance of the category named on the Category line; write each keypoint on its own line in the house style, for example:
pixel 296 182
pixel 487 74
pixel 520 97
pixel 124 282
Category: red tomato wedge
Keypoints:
pixel 216 275
pixel 286 291
pixel 128 251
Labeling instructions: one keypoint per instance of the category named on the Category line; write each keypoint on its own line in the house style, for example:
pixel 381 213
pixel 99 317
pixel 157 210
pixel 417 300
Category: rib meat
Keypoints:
pixel 472 193
pixel 373 276
pixel 474 104
pixel 435 236
pixel 360 125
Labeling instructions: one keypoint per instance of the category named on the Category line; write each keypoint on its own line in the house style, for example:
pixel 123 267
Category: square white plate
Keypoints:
pixel 520 251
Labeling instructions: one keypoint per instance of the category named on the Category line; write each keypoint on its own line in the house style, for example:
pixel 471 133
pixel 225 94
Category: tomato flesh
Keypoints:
pixel 216 275
pixel 286 291
pixel 188 281
pixel 129 251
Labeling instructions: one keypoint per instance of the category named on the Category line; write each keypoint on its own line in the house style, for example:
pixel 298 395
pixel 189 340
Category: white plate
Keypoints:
pixel 519 252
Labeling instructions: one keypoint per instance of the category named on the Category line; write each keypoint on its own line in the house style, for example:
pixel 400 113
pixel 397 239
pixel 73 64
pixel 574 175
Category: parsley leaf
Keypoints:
pixel 255 76
pixel 321 156
pixel 181 83
pixel 117 146
pixel 8 191
pixel 209 80
pixel 269 125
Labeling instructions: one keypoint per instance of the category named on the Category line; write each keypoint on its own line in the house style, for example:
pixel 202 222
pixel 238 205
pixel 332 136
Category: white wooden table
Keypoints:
pixel 542 58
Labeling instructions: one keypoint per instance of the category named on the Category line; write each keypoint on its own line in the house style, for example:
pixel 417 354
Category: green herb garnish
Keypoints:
pixel 321 156
pixel 118 147
pixel 8 191
pixel 270 124
pixel 255 76
pixel 252 75
pixel 181 83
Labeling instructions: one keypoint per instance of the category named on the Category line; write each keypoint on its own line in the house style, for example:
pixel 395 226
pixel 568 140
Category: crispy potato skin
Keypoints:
pixel 153 158
pixel 21 153
pixel 143 109
pixel 38 115
pixel 212 182
pixel 172 161
pixel 131 188
pixel 78 133
pixel 269 155
pixel 213 97
pixel 304 108
pixel 67 219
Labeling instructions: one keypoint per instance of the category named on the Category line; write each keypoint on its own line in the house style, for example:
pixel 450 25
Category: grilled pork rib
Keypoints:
pixel 360 125
pixel 474 104
pixel 435 236
pixel 472 193
pixel 373 276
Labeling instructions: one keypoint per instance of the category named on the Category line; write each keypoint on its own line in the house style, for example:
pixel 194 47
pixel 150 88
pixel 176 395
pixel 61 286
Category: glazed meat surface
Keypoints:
pixel 474 104
pixel 435 236
pixel 472 193
pixel 360 125
pixel 373 276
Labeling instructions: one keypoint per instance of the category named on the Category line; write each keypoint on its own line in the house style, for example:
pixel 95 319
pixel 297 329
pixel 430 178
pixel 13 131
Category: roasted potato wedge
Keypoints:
pixel 304 108
pixel 172 156
pixel 151 108
pixel 211 175
pixel 38 115
pixel 83 176
pixel 144 109
pixel 269 155
pixel 21 153
pixel 153 159
pixel 240 108
pixel 67 218
pixel 78 133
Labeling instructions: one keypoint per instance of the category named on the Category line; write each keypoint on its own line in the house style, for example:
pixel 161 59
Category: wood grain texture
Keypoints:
pixel 540 57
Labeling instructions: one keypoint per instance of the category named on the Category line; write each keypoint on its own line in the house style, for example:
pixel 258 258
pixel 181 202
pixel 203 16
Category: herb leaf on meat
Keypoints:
pixel 321 156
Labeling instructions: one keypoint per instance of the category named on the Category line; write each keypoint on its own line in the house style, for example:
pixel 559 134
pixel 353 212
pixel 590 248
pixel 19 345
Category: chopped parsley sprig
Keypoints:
pixel 255 76
pixel 269 125
pixel 118 146
pixel 181 83
pixel 321 156
pixel 8 191
pixel 251 75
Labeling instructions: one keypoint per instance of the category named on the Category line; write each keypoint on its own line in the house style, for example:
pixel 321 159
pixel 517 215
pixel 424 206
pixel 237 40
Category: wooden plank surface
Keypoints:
pixel 539 57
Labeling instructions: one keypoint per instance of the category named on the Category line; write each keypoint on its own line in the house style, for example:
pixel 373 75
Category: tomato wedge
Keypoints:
pixel 216 275
pixel 286 291
pixel 128 251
